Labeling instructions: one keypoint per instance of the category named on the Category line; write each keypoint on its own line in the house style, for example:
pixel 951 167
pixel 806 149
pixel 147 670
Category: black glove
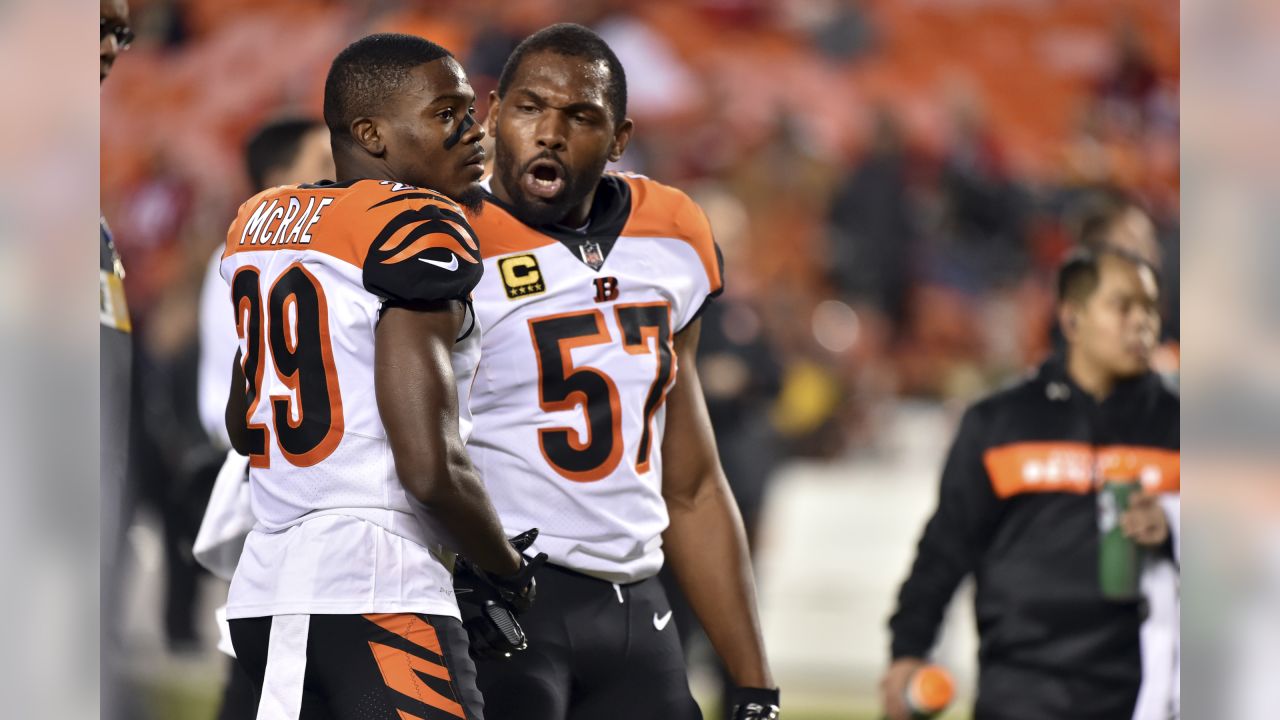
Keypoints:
pixel 495 632
pixel 754 704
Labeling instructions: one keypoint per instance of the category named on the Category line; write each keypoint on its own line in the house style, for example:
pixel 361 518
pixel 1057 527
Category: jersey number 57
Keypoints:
pixel 562 386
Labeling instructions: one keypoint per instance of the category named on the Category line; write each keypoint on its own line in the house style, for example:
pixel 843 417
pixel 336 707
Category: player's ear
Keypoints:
pixel 621 137
pixel 491 119
pixel 366 133
pixel 1068 320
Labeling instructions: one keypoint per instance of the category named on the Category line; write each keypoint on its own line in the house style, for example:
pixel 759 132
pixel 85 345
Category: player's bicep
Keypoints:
pixel 688 443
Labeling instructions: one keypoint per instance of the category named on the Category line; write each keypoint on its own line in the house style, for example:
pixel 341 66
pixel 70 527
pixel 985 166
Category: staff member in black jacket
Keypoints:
pixel 1018 509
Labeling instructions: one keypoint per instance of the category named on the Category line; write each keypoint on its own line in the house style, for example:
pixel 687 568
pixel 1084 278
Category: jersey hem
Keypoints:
pixel 311 607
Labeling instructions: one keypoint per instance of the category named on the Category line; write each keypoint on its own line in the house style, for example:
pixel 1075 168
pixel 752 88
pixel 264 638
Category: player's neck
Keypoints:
pixel 578 217
pixel 347 168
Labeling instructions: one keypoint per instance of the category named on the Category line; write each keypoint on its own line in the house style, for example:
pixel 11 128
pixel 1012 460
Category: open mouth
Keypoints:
pixel 543 179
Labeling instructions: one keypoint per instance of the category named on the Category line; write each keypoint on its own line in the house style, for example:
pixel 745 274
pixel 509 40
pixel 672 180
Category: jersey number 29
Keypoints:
pixel 308 419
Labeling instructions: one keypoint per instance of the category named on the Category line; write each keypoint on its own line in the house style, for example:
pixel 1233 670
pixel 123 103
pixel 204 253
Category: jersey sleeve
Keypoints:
pixel 420 248
pixel 690 224
pixel 666 212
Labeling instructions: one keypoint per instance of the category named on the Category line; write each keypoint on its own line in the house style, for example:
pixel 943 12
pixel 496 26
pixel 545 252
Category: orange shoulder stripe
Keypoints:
pixel 291 217
pixel 342 222
pixel 500 234
pixel 659 210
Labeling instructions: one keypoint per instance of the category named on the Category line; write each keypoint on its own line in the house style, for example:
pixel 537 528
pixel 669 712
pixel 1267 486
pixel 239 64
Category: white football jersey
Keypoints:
pixel 577 359
pixel 309 268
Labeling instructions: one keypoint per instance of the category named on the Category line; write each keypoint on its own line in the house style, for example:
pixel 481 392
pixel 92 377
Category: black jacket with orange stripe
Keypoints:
pixel 1018 509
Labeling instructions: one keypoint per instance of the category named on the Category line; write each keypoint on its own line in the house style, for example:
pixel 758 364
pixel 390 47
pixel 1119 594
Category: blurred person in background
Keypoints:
pixel 1018 509
pixel 1108 218
pixel 287 151
pixel 593 287
pixel 985 208
pixel 873 236
pixel 342 604
pixel 116 358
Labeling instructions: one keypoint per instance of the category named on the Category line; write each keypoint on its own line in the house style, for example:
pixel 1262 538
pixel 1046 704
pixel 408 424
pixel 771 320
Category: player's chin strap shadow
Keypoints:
pixel 465 124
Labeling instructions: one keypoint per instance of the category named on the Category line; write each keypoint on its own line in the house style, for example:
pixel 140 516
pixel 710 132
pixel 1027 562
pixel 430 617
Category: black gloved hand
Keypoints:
pixel 495 632
pixel 754 704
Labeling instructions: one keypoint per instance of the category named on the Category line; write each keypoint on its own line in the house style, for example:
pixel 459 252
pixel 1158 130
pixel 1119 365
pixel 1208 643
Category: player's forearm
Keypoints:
pixel 417 401
pixel 451 501
pixel 706 546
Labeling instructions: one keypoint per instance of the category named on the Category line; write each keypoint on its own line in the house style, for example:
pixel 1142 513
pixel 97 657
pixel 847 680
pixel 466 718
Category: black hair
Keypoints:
pixel 274 146
pixel 1092 218
pixel 572 40
pixel 1079 275
pixel 368 73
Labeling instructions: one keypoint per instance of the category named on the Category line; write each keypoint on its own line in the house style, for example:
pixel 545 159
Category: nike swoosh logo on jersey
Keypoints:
pixel 661 622
pixel 450 266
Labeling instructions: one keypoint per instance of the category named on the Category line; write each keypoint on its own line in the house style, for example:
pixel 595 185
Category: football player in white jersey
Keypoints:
pixel 589 420
pixel 349 395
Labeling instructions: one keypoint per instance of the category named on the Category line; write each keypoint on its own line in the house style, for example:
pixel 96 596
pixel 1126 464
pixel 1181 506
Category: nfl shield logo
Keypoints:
pixel 591 254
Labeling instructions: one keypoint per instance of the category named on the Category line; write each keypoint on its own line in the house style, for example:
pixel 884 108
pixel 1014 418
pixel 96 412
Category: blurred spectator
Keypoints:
pixel 1107 219
pixel 839 29
pixel 659 83
pixel 1131 82
pixel 872 231
pixel 985 215
pixel 1019 508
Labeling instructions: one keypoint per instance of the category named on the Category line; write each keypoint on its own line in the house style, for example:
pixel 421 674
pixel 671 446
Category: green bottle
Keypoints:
pixel 1118 556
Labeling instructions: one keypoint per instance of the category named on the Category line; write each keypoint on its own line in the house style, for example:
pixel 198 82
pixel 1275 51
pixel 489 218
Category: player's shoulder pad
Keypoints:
pixel 659 210
pixel 420 246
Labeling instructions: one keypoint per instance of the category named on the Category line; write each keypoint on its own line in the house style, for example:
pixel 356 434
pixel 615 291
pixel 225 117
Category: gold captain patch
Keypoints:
pixel 521 276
